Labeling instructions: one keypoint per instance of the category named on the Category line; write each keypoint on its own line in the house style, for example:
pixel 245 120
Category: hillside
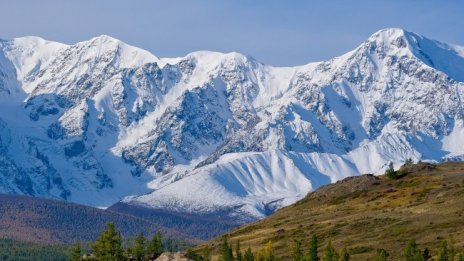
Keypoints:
pixel 200 227
pixel 58 222
pixel 366 213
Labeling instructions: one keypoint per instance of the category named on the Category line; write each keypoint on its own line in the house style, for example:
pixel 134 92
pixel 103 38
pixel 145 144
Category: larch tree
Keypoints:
pixel 139 247
pixel 313 251
pixel 297 252
pixel 108 245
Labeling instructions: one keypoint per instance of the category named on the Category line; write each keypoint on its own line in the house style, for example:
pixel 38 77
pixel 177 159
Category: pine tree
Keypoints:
pixel 344 255
pixel 443 254
pixel 238 253
pixel 225 252
pixel 426 254
pixel 313 255
pixel 297 253
pixel 108 245
pixel 129 253
pixel 139 248
pixel 381 255
pixel 390 172
pixel 155 246
pixel 206 253
pixel 408 162
pixel 412 252
pixel 248 256
pixel 75 253
pixel 330 253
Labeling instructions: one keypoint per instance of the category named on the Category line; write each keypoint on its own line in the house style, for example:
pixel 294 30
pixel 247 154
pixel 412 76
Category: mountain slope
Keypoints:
pixel 214 134
pixel 381 102
pixel 56 222
pixel 367 212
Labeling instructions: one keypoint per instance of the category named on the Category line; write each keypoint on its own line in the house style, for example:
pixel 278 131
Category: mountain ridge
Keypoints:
pixel 101 121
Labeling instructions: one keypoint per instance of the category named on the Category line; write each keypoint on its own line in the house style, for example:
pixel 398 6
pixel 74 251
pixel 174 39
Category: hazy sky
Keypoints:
pixel 276 32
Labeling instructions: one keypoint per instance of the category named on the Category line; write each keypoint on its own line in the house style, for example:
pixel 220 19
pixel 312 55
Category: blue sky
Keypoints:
pixel 276 32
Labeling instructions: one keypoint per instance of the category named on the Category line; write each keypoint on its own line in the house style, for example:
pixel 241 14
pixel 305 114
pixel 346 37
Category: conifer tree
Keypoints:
pixel 248 256
pixel 408 162
pixel 155 246
pixel 426 254
pixel 129 253
pixel 297 252
pixel 206 253
pixel 75 253
pixel 139 248
pixel 412 252
pixel 170 245
pixel 108 245
pixel 330 254
pixel 443 254
pixel 313 255
pixel 238 253
pixel 381 255
pixel 344 255
pixel 390 172
pixel 225 252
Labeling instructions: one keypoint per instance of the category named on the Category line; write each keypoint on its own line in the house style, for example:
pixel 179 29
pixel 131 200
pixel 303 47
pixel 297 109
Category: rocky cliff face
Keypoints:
pixel 219 133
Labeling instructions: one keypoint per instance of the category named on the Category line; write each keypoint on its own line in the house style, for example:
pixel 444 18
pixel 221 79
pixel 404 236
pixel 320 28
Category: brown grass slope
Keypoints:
pixel 365 213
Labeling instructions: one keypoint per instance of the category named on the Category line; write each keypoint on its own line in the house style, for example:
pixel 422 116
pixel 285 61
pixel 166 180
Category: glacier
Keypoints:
pixel 100 121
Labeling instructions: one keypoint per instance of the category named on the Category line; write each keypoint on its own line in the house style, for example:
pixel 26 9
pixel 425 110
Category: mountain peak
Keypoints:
pixel 393 37
pixel 105 39
pixel 130 55
pixel 389 32
pixel 440 56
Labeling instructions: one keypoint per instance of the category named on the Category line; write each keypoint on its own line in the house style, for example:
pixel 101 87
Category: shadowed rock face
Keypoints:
pixel 100 120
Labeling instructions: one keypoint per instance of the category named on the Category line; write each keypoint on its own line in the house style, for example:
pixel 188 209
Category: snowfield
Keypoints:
pixel 102 121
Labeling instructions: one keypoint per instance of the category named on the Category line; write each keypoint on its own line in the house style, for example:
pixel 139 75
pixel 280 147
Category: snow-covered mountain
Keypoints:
pixel 222 133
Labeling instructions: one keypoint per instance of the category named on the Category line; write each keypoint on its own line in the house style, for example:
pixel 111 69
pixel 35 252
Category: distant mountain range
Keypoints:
pixel 219 135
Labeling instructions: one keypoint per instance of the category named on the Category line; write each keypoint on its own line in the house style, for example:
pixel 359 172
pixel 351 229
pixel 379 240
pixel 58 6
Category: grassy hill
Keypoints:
pixel 366 213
